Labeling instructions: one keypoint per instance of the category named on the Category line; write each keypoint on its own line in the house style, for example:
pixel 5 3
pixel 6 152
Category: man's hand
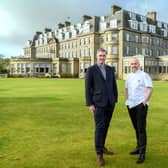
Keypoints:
pixel 144 103
pixel 92 108
pixel 147 95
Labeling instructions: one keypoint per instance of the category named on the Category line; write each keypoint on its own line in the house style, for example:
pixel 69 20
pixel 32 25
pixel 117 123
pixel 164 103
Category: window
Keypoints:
pixel 81 67
pixel 158 42
pixel 61 36
pixel 127 37
pixel 108 37
pixel 82 41
pixel 114 66
pixel 103 26
pixel 145 39
pixel 90 40
pixel 113 23
pixel 132 16
pixel 133 24
pixel 152 28
pixel 27 68
pixel 86 51
pixel 55 67
pixel 114 36
pixel 82 52
pixel 150 41
pixel 114 49
pixel 127 50
pixel 136 38
pixel 74 44
pixel 164 69
pixel 63 67
pixel 86 40
pixel 143 51
pixel 150 52
pixel 143 19
pixel 69 67
pixel 86 66
pixel 159 24
pixel 136 51
pixel 143 27
pixel 86 28
pixel 160 69
pixel 127 69
pixel 74 33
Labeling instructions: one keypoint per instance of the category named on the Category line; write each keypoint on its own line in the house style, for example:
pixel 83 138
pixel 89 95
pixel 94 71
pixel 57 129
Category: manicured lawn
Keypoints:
pixel 44 124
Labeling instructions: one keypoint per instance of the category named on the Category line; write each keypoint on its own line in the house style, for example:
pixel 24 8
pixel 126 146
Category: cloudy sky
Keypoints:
pixel 20 19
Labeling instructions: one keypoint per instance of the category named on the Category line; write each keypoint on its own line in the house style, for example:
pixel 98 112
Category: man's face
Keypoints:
pixel 101 57
pixel 134 65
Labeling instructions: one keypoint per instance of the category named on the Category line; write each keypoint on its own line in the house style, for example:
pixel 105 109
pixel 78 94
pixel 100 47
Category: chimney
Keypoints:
pixel 152 15
pixel 38 33
pixel 47 30
pixel 60 25
pixel 67 23
pixel 86 17
pixel 115 8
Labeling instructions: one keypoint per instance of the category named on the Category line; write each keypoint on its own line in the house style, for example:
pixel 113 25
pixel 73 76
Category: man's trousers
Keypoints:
pixel 138 115
pixel 102 116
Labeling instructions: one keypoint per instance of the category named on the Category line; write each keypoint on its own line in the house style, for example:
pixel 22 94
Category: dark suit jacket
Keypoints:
pixel 98 90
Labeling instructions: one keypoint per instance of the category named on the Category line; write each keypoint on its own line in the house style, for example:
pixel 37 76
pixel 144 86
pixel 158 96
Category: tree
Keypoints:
pixel 4 64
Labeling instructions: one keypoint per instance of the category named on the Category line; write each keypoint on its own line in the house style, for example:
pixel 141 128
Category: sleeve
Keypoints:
pixel 148 81
pixel 115 87
pixel 89 87
pixel 126 83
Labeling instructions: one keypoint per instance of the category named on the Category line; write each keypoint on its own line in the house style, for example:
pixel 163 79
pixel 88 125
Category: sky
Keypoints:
pixel 20 19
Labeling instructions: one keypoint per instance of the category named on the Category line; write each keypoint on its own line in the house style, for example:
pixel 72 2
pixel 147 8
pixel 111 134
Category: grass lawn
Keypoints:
pixel 44 124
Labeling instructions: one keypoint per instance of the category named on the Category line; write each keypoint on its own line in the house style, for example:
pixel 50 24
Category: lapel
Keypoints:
pixel 107 73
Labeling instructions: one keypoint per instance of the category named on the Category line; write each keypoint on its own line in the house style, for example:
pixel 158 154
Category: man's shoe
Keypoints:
pixel 141 158
pixel 107 152
pixel 134 151
pixel 100 160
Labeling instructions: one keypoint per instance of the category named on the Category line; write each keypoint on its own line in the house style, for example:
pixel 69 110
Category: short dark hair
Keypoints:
pixel 101 50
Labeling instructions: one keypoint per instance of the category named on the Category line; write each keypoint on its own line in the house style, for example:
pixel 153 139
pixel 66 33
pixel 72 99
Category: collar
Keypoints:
pixel 137 71
pixel 101 65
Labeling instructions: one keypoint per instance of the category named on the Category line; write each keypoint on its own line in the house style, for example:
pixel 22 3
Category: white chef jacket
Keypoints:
pixel 136 84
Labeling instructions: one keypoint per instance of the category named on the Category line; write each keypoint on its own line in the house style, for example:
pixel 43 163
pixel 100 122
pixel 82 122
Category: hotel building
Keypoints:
pixel 70 49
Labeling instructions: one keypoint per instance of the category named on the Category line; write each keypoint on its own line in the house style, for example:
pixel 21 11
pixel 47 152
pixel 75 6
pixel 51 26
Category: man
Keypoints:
pixel 138 90
pixel 101 96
